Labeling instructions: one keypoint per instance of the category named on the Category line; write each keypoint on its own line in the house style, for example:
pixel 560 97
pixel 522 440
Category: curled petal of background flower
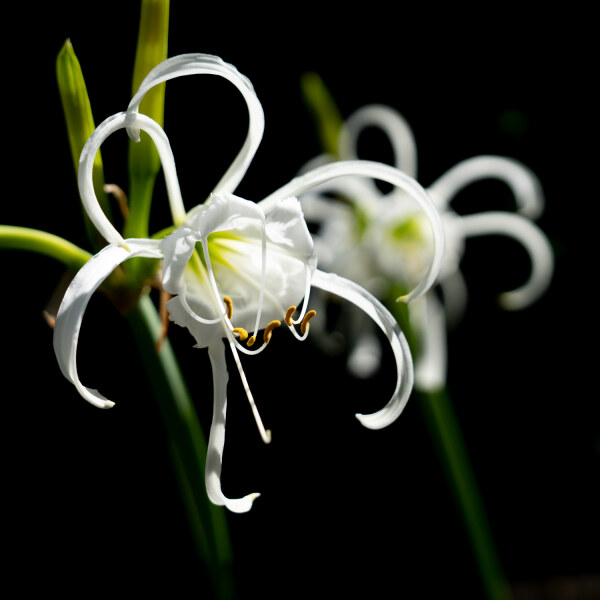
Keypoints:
pixel 532 239
pixel 388 240
pixel 523 182
pixel 396 127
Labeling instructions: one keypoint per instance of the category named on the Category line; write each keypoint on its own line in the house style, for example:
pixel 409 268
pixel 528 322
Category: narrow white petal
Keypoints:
pixel 216 440
pixel 75 301
pixel 382 317
pixel 393 124
pixel 86 164
pixel 532 239
pixel 524 184
pixel 198 64
pixel 362 168
pixel 427 317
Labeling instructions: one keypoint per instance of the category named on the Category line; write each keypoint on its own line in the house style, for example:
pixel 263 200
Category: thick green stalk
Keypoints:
pixel 144 163
pixel 208 523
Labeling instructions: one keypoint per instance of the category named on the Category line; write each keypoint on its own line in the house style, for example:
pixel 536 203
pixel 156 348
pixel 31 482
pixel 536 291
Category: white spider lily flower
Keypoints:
pixel 381 241
pixel 234 268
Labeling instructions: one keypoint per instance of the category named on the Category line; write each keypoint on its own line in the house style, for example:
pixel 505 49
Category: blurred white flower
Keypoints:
pixel 381 241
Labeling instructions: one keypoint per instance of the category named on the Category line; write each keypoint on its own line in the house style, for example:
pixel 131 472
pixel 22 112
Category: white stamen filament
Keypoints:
pixel 265 434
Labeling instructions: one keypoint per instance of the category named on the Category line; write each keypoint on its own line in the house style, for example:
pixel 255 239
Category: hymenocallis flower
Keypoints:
pixel 234 268
pixel 381 241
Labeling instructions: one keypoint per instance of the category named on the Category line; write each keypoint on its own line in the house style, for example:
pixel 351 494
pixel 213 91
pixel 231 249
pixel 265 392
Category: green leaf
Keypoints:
pixel 80 125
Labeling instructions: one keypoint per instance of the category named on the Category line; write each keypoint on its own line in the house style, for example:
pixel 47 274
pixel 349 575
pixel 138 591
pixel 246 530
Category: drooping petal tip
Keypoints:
pixel 361 298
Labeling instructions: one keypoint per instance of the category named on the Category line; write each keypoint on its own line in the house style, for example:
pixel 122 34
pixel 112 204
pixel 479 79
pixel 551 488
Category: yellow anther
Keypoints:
pixel 269 330
pixel 307 317
pixel 289 313
pixel 241 332
pixel 250 341
pixel 229 305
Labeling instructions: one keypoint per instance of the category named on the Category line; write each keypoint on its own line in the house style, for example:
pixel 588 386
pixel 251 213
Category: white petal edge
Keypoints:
pixel 524 184
pixel 532 239
pixel 216 439
pixel 392 123
pixel 358 296
pixel 86 164
pixel 75 301
pixel 207 64
pixel 364 168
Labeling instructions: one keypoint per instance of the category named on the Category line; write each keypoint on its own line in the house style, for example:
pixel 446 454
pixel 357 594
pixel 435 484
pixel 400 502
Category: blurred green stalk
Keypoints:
pixel 446 434
pixel 437 407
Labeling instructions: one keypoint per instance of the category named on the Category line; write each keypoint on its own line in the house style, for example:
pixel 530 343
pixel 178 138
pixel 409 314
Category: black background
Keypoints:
pixel 91 501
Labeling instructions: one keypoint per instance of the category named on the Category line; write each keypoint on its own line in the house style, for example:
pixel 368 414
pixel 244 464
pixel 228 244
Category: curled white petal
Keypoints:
pixel 363 168
pixel 393 124
pixel 86 164
pixel 524 184
pixel 216 439
pixel 75 301
pixel 199 64
pixel 532 239
pixel 381 316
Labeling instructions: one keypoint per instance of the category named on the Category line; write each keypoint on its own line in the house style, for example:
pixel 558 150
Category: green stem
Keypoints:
pixel 143 159
pixel 34 240
pixel 447 436
pixel 208 523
